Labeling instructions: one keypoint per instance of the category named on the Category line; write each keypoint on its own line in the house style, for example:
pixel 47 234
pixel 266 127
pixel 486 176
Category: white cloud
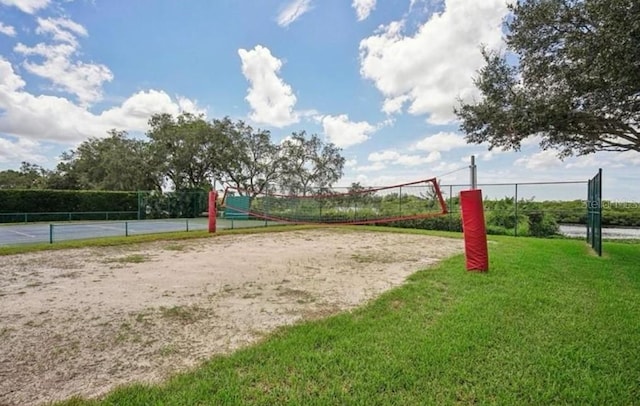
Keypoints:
pixel 84 80
pixel 417 160
pixel 394 104
pixel 27 6
pixel 185 104
pixel 7 30
pixel 540 160
pixel 383 156
pixel 442 141
pixel 21 150
pixel 629 157
pixel 396 158
pixel 61 29
pixel 363 8
pixel 435 65
pixel 292 11
pixel 57 119
pixel 586 161
pixel 376 166
pixel 345 133
pixel 271 99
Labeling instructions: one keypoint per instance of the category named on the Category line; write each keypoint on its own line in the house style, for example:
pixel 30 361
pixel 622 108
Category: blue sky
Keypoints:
pixel 377 78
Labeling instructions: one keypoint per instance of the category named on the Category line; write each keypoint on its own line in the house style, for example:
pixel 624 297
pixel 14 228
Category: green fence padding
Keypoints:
pixel 237 207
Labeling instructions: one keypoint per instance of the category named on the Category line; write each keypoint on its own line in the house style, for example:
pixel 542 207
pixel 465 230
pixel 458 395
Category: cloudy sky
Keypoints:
pixel 377 78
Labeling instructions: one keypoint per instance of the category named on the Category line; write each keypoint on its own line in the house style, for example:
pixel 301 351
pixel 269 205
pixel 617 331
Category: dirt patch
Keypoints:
pixel 84 321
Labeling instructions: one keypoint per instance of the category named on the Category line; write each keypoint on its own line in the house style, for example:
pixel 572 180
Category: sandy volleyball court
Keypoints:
pixel 84 321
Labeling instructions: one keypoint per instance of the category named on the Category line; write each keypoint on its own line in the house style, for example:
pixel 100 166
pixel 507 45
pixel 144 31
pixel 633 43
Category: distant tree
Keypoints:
pixel 355 188
pixel 112 163
pixel 11 179
pixel 359 194
pixel 30 176
pixel 575 83
pixel 247 158
pixel 310 164
pixel 185 148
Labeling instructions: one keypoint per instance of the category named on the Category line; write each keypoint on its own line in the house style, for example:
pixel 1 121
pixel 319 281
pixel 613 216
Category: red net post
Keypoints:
pixel 213 198
pixel 475 232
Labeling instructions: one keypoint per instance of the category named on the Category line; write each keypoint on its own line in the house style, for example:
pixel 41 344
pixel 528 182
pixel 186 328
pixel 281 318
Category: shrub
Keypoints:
pixel 542 224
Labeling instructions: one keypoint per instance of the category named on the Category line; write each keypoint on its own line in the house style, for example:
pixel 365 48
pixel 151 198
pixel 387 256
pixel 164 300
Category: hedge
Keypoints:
pixel 49 201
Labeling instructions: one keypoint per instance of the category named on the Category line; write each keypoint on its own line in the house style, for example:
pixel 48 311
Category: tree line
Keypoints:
pixel 188 152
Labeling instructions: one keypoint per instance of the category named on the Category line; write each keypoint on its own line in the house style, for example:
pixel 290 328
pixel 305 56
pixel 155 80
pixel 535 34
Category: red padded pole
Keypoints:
pixel 475 232
pixel 213 198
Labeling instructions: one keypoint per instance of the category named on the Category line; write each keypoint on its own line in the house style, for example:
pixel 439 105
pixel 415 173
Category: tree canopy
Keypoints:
pixel 116 162
pixel 188 152
pixel 251 160
pixel 575 81
pixel 310 164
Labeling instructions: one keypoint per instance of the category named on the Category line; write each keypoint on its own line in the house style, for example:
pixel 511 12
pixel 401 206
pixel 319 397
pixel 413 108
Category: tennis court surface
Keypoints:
pixel 14 234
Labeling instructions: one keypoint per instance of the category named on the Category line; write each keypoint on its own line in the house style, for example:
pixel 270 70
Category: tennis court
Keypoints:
pixel 13 234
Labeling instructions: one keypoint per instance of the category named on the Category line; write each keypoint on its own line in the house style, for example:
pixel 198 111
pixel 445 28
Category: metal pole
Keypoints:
pixel 599 191
pixel 450 206
pixel 516 206
pixel 50 233
pixel 589 198
pixel 473 173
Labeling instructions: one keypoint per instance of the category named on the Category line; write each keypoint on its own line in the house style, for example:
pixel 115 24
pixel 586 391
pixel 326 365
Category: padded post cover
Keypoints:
pixel 475 232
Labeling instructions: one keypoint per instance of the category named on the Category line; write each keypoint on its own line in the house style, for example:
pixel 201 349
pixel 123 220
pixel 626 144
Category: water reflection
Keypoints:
pixel 614 233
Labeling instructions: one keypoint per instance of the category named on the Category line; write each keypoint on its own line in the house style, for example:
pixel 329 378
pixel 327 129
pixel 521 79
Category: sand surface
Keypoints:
pixel 80 322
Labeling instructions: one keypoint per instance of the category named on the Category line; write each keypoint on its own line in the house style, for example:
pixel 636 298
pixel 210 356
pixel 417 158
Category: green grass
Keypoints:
pixel 549 324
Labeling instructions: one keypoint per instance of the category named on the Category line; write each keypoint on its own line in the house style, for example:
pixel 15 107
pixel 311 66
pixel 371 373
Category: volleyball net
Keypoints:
pixel 337 206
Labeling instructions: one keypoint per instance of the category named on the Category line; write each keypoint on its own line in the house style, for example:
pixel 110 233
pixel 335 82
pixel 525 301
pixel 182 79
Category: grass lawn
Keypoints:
pixel 549 324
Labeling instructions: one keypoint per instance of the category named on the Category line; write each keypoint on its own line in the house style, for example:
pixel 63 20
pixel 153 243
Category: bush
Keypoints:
pixel 449 222
pixel 542 224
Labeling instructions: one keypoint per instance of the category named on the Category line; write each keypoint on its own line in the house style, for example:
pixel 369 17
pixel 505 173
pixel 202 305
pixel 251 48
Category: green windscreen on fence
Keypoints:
pixel 594 212
pixel 237 207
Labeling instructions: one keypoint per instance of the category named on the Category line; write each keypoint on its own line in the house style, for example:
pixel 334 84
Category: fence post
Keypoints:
pixel 50 233
pixel 450 206
pixel 589 187
pixel 516 212
pixel 473 173
pixel 126 228
pixel 187 225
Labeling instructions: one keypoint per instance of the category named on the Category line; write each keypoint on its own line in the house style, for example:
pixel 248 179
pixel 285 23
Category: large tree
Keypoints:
pixel 116 162
pixel 247 158
pixel 186 149
pixel 310 165
pixel 570 75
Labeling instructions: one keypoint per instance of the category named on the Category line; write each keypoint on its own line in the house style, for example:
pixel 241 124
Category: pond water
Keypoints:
pixel 576 230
